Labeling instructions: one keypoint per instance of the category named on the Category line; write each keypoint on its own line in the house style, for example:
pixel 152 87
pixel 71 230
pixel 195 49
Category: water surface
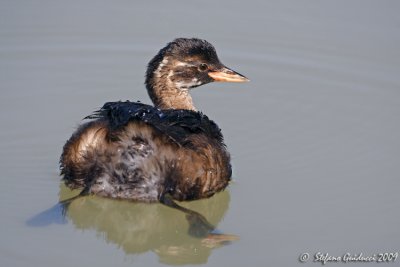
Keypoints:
pixel 314 136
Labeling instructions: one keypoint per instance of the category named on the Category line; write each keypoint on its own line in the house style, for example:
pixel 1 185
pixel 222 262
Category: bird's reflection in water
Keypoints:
pixel 139 227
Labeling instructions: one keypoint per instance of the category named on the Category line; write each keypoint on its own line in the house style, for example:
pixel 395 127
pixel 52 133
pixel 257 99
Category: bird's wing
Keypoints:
pixel 178 125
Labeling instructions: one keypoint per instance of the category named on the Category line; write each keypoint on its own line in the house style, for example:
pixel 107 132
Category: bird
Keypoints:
pixel 155 153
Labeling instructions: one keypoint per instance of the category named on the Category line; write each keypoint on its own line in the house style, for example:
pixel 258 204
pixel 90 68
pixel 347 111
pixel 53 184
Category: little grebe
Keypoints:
pixel 134 151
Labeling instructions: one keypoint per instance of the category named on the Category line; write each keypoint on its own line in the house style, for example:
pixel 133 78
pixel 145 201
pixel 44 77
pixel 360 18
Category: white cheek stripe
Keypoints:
pixel 164 62
pixel 184 85
pixel 184 64
pixel 180 85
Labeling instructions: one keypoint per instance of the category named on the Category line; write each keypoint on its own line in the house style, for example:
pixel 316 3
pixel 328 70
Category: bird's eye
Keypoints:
pixel 203 67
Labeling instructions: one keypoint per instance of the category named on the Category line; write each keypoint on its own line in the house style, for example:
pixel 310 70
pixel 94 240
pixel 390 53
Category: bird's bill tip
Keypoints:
pixel 227 75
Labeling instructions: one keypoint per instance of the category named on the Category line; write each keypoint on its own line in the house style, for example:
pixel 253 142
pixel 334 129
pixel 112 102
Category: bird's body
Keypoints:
pixel 135 151
pixel 129 150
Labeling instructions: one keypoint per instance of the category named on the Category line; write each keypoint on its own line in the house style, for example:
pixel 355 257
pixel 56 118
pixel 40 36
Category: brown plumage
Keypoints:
pixel 135 151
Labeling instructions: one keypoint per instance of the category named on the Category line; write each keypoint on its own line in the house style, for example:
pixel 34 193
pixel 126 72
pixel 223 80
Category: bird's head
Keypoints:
pixel 184 64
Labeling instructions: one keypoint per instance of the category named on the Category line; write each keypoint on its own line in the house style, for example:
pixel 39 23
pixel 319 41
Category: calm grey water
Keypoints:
pixel 314 137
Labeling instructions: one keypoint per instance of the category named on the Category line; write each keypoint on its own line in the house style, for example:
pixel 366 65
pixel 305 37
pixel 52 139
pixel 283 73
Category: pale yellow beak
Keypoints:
pixel 227 75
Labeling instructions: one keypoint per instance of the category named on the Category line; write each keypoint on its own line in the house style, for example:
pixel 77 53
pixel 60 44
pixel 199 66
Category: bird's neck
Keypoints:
pixel 166 95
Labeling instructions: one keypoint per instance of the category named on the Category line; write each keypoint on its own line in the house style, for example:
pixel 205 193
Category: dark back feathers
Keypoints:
pixel 178 125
